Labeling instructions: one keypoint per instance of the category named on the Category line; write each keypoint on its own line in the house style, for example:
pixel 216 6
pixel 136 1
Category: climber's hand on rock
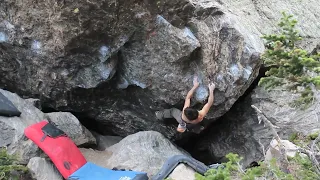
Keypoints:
pixel 195 81
pixel 212 86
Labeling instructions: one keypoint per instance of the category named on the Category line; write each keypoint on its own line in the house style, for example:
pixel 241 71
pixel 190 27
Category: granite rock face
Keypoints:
pixel 64 44
pixel 239 130
pixel 120 61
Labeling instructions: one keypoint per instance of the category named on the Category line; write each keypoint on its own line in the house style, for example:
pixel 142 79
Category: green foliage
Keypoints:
pixel 222 173
pixel 274 169
pixel 298 139
pixel 252 173
pixel 313 136
pixel 304 169
pixel 8 165
pixel 293 137
pixel 231 170
pixel 300 168
pixel 290 65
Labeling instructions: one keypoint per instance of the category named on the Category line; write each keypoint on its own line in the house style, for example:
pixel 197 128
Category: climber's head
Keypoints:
pixel 191 114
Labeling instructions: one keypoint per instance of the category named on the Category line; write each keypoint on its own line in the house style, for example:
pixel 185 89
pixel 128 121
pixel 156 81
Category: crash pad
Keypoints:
pixel 58 146
pixel 91 171
pixel 7 108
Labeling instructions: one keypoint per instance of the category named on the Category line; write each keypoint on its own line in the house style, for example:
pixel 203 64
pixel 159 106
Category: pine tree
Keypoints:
pixel 289 65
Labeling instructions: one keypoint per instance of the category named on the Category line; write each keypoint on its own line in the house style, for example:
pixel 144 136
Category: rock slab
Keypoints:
pixel 41 169
pixel 145 151
pixel 239 130
pixel 68 123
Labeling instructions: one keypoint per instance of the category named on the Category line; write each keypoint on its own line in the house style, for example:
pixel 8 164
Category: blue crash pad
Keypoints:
pixel 91 171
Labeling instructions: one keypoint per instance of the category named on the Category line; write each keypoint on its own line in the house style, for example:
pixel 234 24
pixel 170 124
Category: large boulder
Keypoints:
pixel 156 72
pixel 71 51
pixel 68 52
pixel 239 130
pixel 144 151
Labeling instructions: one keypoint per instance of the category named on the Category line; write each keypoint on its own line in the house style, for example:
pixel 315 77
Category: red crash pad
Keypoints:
pixel 62 151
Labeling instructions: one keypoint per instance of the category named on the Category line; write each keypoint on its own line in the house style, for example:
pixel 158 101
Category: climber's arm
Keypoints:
pixel 207 106
pixel 190 93
pixel 188 97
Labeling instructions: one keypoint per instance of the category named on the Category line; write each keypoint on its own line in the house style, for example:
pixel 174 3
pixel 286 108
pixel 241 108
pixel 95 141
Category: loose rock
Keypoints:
pixel 72 127
pixel 41 169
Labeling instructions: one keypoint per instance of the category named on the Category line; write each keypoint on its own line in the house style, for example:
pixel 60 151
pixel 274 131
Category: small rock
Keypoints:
pixel 274 152
pixel 68 123
pixel 182 172
pixel 41 169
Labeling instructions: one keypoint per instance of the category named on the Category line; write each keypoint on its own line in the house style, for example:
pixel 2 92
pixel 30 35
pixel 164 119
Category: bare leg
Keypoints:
pixel 169 113
pixel 172 113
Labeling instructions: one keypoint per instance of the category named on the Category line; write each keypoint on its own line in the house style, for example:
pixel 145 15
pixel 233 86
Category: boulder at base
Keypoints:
pixel 144 151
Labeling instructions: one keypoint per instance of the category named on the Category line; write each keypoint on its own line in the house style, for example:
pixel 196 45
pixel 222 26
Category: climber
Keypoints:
pixel 190 118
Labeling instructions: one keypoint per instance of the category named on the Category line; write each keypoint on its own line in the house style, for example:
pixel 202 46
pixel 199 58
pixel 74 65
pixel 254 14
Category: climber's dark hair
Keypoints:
pixel 191 114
